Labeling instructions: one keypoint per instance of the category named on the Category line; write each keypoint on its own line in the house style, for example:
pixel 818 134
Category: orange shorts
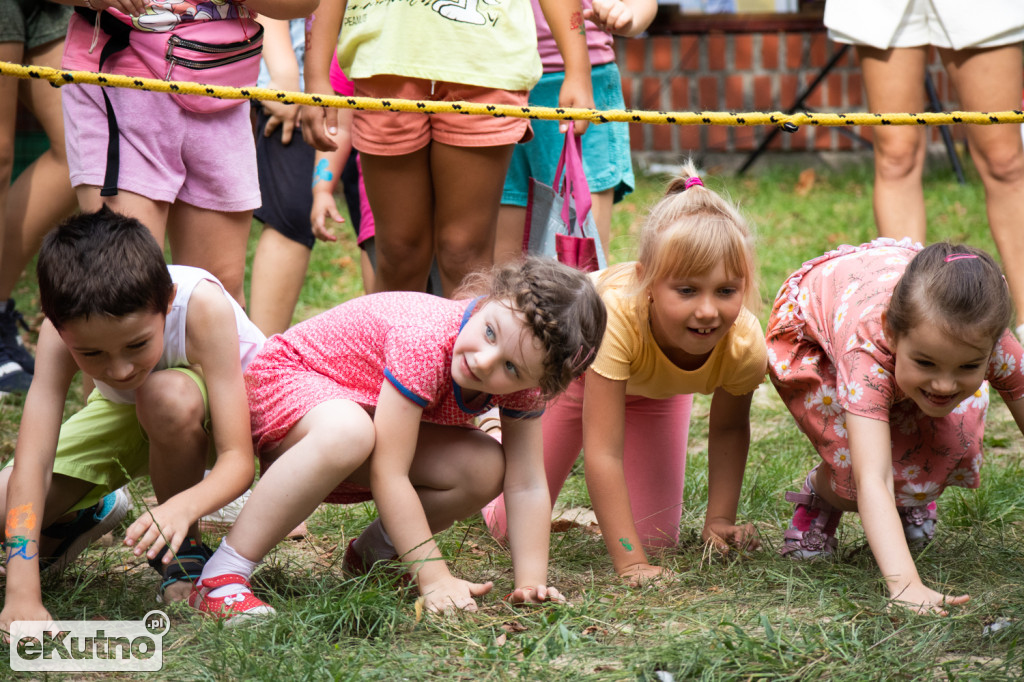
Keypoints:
pixel 388 133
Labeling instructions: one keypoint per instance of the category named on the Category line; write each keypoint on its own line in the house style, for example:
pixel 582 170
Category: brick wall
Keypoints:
pixel 745 70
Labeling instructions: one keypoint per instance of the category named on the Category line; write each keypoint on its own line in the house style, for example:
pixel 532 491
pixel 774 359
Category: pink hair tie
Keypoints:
pixel 958 256
pixel 690 182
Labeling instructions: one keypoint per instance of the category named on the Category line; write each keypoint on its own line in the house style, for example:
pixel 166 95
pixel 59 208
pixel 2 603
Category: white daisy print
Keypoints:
pixel 841 458
pixel 918 494
pixel 787 309
pixel 771 356
pixel 840 316
pixel 1003 364
pixel 782 368
pixel 850 290
pixel 828 267
pixel 869 346
pixel 896 260
pixel 854 392
pixel 851 342
pixel 889 276
pixel 839 425
pixel 825 401
pixel 878 371
pixel 962 477
pixel 912 471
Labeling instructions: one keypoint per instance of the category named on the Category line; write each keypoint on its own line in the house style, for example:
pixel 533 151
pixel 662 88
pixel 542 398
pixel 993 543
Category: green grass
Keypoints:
pixel 759 617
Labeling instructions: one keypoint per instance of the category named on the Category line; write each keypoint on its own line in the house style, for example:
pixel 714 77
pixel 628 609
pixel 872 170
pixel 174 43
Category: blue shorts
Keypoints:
pixel 606 159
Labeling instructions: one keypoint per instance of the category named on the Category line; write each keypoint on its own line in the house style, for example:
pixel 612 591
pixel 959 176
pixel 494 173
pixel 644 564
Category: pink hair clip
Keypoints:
pixel 577 362
pixel 690 182
pixel 958 256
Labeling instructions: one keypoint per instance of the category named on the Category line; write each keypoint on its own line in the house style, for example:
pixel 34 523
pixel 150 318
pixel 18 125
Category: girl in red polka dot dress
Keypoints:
pixel 401 375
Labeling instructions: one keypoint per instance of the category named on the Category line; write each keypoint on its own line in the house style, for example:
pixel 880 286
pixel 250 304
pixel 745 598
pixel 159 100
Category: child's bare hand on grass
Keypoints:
pixel 21 608
pixel 529 594
pixel 725 537
pixel 453 593
pixel 924 600
pixel 639 575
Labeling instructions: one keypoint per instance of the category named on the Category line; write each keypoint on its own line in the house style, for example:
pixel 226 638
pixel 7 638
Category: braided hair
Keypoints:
pixel 560 307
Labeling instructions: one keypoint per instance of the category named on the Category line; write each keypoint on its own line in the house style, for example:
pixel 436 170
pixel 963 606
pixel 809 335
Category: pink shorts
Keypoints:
pixel 167 153
pixel 386 133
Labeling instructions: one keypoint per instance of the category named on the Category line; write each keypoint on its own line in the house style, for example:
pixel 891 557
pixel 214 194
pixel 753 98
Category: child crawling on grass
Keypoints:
pixel 400 375
pixel 883 353
pixel 165 346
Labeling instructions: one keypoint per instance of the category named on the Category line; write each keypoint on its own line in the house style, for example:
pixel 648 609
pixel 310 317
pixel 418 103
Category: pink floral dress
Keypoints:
pixel 827 355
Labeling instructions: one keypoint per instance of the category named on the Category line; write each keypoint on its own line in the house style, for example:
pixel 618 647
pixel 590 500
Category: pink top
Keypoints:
pixel 404 338
pixel 599 43
pixel 339 81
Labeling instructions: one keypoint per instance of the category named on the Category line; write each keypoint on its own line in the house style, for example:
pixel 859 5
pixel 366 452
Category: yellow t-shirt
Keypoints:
pixel 474 43
pixel 629 353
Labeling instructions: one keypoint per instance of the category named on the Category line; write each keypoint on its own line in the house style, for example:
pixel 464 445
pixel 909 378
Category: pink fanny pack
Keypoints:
pixel 197 53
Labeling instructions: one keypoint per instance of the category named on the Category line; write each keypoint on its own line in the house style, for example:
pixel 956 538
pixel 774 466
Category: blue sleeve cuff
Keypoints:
pixel 403 390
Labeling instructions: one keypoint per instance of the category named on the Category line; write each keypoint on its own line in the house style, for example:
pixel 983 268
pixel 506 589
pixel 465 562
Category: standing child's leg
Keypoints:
pixel 467 193
pixel 655 465
pixel 215 241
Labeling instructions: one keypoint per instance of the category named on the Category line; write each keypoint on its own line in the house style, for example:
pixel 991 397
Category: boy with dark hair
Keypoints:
pixel 166 346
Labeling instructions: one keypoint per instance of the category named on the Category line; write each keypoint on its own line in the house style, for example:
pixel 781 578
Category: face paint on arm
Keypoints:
pixel 576 23
pixel 625 543
pixel 17 547
pixel 21 516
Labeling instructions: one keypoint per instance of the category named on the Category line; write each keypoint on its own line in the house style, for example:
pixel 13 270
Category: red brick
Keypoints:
pixel 845 142
pixel 716 52
pixel 798 141
pixel 770 51
pixel 867 132
pixel 742 52
pixel 689 52
pixel 818 57
pixel 763 94
pixel 718 138
pixel 787 90
pixel 627 92
pixel 707 87
pixel 834 87
pixel 854 92
pixel 636 137
pixel 794 50
pixel 824 139
pixel 636 51
pixel 650 94
pixel 777 141
pixel 815 99
pixel 689 138
pixel 734 91
pixel 680 86
pixel 747 138
pixel 661 137
pixel 661 53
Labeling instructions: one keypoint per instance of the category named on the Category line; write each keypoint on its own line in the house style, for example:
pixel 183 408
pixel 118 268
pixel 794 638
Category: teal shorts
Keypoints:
pixel 606 158
pixel 33 22
pixel 105 445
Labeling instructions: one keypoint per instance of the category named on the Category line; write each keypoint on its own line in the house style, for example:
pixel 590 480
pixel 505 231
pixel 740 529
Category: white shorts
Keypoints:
pixel 913 23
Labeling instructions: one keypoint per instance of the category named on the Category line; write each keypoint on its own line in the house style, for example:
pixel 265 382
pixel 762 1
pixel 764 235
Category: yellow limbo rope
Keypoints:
pixel 60 77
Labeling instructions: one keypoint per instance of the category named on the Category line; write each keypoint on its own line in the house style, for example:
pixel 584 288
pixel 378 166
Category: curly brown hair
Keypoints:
pixel 561 307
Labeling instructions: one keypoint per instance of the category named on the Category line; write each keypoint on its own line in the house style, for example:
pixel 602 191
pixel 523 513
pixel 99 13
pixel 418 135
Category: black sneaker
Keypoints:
pixel 10 340
pixel 13 379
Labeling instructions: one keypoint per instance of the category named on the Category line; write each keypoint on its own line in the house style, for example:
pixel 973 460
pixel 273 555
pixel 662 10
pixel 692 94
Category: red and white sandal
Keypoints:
pixel 232 607
pixel 812 531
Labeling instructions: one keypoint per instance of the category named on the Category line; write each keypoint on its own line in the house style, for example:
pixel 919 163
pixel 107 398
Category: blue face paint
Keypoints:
pixel 18 547
pixel 321 172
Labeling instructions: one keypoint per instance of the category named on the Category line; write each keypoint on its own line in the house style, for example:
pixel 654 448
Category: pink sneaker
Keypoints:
pixel 812 531
pixel 234 608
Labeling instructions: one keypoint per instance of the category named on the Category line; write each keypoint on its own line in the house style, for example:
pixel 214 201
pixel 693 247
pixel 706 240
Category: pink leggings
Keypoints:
pixel 654 460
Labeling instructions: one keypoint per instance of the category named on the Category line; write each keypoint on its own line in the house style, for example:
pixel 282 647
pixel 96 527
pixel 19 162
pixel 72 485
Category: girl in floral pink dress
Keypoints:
pixel 882 352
